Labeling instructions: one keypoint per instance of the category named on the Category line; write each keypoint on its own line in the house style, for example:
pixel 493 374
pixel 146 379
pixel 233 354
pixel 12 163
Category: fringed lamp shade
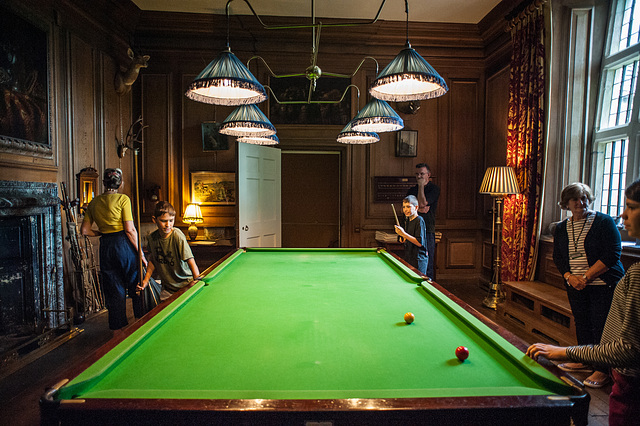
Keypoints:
pixel 350 136
pixel 408 78
pixel 377 116
pixel 226 81
pixel 247 120
pixel 499 181
pixel 260 140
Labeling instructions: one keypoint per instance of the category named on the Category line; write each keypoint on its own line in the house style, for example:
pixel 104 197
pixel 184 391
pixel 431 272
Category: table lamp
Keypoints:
pixel 192 215
pixel 498 182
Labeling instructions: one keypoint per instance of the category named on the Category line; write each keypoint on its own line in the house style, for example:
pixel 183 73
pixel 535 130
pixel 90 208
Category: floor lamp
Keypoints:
pixel 498 182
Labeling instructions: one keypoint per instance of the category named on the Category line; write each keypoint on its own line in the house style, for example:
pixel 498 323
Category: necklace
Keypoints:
pixel 573 233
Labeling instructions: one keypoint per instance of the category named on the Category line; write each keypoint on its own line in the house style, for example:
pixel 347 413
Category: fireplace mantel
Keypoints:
pixel 30 258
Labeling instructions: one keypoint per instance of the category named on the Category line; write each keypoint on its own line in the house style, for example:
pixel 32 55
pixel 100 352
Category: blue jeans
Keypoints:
pixel 119 271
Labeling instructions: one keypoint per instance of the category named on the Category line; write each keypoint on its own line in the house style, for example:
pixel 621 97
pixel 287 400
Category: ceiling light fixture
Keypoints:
pixel 260 140
pixel 409 77
pixel 247 120
pixel 350 136
pixel 226 81
pixel 377 116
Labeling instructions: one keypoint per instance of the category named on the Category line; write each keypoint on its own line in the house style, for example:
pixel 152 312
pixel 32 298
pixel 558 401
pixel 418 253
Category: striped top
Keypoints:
pixel 619 347
pixel 577 231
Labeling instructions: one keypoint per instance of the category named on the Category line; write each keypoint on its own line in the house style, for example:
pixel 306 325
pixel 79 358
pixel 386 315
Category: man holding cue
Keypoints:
pixel 427 194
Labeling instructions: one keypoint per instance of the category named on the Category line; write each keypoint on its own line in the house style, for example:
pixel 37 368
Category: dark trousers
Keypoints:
pixel 624 401
pixel 119 271
pixel 590 307
pixel 431 250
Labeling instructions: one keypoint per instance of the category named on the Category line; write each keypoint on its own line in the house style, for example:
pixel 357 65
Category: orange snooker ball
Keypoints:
pixel 409 317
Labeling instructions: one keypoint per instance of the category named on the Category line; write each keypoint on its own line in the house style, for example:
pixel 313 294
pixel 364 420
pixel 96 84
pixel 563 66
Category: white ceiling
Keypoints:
pixel 458 11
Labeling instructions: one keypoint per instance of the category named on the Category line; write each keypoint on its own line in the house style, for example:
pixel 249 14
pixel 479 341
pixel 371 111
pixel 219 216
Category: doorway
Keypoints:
pixel 311 198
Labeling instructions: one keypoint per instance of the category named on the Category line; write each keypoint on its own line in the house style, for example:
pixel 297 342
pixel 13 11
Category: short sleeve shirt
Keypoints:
pixel 169 256
pixel 109 212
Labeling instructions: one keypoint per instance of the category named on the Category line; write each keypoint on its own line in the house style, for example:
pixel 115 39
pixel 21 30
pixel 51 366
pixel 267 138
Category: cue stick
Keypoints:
pixel 396 215
pixel 140 268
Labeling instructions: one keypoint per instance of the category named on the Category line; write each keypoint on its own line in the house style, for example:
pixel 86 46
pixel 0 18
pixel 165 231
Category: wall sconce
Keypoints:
pixel 192 215
pixel 498 182
pixel 87 180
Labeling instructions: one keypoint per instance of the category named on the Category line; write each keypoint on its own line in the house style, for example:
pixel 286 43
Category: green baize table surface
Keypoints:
pixel 312 324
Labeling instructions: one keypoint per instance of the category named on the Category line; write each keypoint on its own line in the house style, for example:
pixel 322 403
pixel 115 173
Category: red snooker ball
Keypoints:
pixel 409 317
pixel 462 353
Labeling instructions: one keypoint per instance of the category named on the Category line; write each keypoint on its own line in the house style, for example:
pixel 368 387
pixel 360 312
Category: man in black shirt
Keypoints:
pixel 427 194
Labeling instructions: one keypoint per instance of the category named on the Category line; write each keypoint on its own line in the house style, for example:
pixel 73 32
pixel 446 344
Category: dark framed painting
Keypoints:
pixel 407 143
pixel 212 139
pixel 213 188
pixel 289 103
pixel 24 82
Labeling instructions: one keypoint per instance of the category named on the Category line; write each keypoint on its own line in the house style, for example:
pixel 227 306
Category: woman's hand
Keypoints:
pixel 143 286
pixel 547 351
pixel 577 282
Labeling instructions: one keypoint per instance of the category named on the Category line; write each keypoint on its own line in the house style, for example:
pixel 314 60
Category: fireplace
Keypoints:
pixel 32 298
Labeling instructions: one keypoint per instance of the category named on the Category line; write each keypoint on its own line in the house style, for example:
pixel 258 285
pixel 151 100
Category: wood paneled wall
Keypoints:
pixel 459 134
pixel 451 129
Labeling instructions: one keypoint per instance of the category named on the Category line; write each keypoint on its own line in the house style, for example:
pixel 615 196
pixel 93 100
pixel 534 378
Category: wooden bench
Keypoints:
pixel 541 310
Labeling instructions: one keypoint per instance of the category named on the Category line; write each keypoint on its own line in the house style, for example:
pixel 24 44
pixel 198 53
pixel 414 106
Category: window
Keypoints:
pixel 614 178
pixel 617 129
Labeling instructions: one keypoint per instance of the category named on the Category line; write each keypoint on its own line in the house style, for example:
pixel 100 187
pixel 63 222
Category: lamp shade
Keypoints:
pixel 260 140
pixel 193 214
pixel 377 116
pixel 499 181
pixel 247 120
pixel 226 81
pixel 409 77
pixel 350 136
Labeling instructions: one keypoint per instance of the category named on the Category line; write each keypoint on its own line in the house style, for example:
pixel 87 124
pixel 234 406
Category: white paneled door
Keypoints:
pixel 259 206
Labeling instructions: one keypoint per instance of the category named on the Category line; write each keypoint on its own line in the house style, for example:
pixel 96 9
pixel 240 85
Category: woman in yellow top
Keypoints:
pixel 118 248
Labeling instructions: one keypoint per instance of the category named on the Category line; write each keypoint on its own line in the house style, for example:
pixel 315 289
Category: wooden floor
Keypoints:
pixel 20 391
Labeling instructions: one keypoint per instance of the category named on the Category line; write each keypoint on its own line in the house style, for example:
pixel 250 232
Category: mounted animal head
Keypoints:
pixel 127 75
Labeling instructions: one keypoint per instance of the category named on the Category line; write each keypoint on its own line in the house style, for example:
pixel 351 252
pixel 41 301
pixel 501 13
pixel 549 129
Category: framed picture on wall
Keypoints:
pixel 24 82
pixel 212 139
pixel 213 188
pixel 407 143
pixel 325 108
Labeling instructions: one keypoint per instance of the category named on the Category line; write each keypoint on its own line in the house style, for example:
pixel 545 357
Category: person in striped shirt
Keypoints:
pixel 619 347
pixel 586 251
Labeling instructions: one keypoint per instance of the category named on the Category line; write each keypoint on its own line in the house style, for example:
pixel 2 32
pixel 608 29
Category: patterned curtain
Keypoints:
pixel 525 143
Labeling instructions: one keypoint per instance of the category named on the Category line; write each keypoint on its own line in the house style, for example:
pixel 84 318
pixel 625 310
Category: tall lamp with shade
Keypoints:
pixel 193 215
pixel 498 182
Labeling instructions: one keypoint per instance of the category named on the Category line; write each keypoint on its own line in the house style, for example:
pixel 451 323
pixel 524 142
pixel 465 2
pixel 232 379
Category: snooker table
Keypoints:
pixel 313 337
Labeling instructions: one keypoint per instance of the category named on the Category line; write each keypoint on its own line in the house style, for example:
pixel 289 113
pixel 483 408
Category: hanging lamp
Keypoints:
pixel 260 140
pixel 226 81
pixel 350 136
pixel 408 77
pixel 247 120
pixel 377 116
